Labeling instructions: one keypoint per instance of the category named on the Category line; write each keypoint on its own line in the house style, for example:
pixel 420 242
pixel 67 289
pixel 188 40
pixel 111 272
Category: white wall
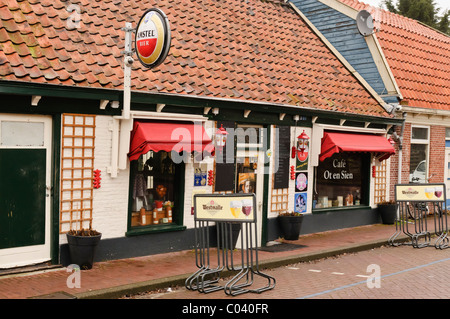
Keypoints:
pixel 110 201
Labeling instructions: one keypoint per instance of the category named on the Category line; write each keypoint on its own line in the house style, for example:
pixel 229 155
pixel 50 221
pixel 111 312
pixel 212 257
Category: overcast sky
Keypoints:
pixel 443 4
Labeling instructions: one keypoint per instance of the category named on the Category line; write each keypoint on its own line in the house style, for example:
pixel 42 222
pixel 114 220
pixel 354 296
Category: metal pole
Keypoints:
pixel 127 63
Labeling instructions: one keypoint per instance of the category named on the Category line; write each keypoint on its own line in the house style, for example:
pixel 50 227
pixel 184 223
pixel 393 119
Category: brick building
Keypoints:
pixel 255 67
pixel 406 63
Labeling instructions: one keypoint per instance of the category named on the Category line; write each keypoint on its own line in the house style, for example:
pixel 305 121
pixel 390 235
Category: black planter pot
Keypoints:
pixel 82 250
pixel 388 213
pixel 290 226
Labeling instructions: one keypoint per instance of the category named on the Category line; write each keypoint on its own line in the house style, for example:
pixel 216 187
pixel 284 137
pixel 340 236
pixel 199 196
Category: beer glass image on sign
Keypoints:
pixel 247 205
pixel 219 207
pixel 431 192
pixel 236 208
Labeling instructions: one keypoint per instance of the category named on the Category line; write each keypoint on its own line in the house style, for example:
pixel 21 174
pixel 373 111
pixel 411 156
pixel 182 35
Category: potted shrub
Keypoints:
pixel 290 225
pixel 388 211
pixel 82 246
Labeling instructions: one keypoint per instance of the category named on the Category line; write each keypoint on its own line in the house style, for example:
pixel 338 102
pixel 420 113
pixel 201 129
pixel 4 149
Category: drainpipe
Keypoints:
pixel 400 149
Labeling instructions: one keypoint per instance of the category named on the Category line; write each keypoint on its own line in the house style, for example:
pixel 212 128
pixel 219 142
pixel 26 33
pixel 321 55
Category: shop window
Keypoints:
pixel 419 154
pixel 156 188
pixel 341 180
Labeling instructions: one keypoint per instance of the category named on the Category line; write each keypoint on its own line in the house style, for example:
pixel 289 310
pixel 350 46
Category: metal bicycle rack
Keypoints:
pixel 416 203
pixel 244 263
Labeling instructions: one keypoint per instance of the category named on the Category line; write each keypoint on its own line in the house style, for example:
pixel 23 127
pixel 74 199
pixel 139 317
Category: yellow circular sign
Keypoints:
pixel 152 41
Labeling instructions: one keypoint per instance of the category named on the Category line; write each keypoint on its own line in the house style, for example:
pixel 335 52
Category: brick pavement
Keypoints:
pixel 405 273
pixel 115 278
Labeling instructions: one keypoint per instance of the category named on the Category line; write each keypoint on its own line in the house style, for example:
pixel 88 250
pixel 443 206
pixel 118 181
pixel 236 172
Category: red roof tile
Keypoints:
pixel 417 55
pixel 253 50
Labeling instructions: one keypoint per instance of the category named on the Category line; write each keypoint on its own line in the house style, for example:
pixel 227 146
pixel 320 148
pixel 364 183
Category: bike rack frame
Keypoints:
pixel 206 278
pixel 416 203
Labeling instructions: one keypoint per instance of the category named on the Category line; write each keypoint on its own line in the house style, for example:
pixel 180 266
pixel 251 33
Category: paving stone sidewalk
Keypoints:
pixel 113 279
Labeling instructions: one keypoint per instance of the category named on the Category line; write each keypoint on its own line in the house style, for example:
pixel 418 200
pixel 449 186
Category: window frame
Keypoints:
pixel 177 213
pixel 420 141
pixel 366 160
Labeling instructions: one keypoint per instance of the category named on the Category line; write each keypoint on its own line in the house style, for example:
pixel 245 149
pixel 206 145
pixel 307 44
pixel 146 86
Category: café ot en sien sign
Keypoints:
pixel 152 41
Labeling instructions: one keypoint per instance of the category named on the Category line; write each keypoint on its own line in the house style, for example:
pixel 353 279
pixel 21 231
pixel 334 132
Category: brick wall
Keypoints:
pixel 436 156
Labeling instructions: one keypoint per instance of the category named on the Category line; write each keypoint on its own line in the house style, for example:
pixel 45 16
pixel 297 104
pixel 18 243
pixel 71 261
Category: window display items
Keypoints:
pixel 339 180
pixel 161 190
pixel 154 189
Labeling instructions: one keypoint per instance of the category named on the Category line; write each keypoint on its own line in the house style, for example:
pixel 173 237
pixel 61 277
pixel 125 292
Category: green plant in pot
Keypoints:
pixel 82 246
pixel 290 225
pixel 388 211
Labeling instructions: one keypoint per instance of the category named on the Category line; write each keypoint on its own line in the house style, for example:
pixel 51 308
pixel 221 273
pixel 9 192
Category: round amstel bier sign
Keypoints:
pixel 152 40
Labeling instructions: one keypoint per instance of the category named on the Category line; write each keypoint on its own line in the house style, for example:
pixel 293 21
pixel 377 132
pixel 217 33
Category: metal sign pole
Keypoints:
pixel 127 63
pixel 151 45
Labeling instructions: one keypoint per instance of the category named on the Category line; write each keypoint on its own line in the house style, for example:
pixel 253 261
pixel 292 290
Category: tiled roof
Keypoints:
pixel 418 56
pixel 246 50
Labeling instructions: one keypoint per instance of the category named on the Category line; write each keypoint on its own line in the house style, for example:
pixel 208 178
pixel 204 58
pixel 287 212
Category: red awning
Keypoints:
pixel 348 142
pixel 178 137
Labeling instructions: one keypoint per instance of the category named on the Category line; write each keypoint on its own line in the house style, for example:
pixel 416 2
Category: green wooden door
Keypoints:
pixel 22 197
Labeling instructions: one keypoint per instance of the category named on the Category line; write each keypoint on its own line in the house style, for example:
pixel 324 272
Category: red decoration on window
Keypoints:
pixel 374 171
pixel 210 177
pixel 292 172
pixel 97 178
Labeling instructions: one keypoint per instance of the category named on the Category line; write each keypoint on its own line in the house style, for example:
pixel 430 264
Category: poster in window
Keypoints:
pixel 199 177
pixel 301 182
pixel 300 202
pixel 246 183
pixel 302 156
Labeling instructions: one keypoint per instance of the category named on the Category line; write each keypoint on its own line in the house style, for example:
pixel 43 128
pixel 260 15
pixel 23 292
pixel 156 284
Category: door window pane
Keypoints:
pixel 22 133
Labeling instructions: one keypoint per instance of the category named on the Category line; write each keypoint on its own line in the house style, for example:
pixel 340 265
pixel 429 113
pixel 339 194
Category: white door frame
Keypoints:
pixel 259 172
pixel 21 256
